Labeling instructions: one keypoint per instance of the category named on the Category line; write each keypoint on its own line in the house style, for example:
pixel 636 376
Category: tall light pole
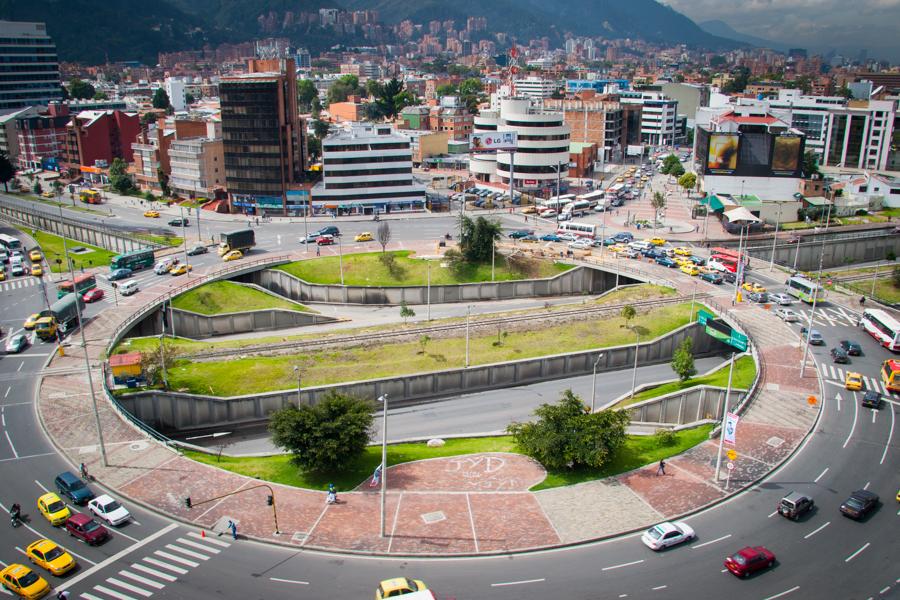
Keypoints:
pixel 812 312
pixel 384 400
pixel 341 258
pixel 797 252
pixel 428 295
pixel 594 381
pixel 299 375
pixel 775 239
pixel 637 347
pixel 184 235
pixel 468 314
pixel 693 297
pixel 724 415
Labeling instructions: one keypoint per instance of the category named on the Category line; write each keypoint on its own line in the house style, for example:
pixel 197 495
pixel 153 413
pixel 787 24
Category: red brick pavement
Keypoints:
pixel 488 472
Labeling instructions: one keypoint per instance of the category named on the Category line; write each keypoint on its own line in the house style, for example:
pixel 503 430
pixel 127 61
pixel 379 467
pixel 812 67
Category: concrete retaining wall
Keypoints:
pixel 198 327
pixel 688 406
pixel 172 411
pixel 580 280
pixel 838 253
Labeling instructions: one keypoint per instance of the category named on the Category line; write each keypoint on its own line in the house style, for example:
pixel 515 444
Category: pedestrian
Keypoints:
pixel 257 221
pixel 526 218
pixel 661 470
pixel 63 595
pixel 862 300
pixel 233 527
pixel 318 253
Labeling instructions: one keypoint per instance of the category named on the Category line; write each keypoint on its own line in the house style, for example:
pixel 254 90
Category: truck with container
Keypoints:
pixel 62 315
pixel 242 239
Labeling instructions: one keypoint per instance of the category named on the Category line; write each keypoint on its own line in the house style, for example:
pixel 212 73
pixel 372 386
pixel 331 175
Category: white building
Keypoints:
pixel 367 169
pixel 176 89
pixel 535 87
pixel 543 144
pixel 658 114
pixel 29 67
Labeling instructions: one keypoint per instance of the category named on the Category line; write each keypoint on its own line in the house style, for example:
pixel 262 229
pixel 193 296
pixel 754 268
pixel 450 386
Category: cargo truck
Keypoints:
pixel 62 315
pixel 242 240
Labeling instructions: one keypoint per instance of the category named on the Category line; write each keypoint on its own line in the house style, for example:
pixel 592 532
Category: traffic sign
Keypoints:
pixel 703 316
pixel 731 454
pixel 730 466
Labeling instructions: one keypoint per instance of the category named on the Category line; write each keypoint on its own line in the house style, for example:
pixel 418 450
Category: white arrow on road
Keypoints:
pixel 838 398
pixel 874 414
pixel 211 435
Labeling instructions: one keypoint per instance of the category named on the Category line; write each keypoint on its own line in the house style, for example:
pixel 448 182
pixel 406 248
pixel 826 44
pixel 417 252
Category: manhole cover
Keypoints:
pixel 299 537
pixel 434 517
pixel 774 441
pixel 138 446
pixel 773 387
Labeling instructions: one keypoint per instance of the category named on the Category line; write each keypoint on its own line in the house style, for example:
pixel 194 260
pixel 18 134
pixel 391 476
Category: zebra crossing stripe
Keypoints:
pixel 187 552
pixel 198 546
pixel 154 572
pixel 143 580
pixel 87 596
pixel 129 587
pixel 164 565
pixel 178 559
pixel 209 540
pixel 113 593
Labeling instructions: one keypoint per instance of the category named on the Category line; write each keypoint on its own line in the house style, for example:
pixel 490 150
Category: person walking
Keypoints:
pixel 233 527
pixel 661 469
pixel 318 252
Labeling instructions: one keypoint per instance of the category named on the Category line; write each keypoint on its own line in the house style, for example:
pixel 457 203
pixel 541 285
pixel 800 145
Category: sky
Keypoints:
pixel 818 25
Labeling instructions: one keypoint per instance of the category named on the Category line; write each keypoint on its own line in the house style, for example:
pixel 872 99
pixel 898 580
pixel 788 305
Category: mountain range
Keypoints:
pixel 724 30
pixel 94 31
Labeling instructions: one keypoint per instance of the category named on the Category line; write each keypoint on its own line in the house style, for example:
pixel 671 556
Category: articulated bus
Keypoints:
pixel 883 327
pixel 890 375
pixel 135 260
pixel 10 243
pixel 81 284
pixel 580 229
pixel 804 289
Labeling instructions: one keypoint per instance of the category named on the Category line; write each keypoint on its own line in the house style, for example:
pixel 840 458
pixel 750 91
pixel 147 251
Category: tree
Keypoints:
pixel 161 99
pixel 37 189
pixel 7 171
pixel 163 179
pixel 669 163
pixel 345 86
pixel 325 437
pixel 100 95
pixel 119 178
pixel 658 201
pixel 478 238
pixel 446 89
pixel 306 91
pixel 683 360
pixel 152 361
pixel 406 312
pixel 677 170
pixel 628 313
pixel 314 148
pixel 390 99
pixel 688 181
pixel 810 164
pixel 320 128
pixel 566 436
pixel 383 234
pixel 189 99
pixel 471 94
pixel 895 277
pixel 80 89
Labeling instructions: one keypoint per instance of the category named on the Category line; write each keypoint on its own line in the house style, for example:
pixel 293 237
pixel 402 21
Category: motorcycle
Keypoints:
pixel 376 218
pixel 447 236
pixel 15 519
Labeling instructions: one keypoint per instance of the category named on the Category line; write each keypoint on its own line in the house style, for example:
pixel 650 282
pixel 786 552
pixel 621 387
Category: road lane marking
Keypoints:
pixel 203 547
pixel 724 537
pixel 144 580
pixel 884 590
pixel 13 448
pixel 178 559
pixel 8 389
pixel 165 565
pixel 784 593
pixel 129 587
pixel 874 414
pixel 659 587
pixel 772 514
pixel 113 593
pixel 87 596
pixel 289 581
pixel 28 456
pixel 855 554
pixel 187 552
pixel 822 474
pixel 154 572
pixel 117 532
pixel 855 415
pixel 628 564
pixel 815 531
pixel 209 540
pixel 868 483
pixel 524 581
pixel 887 444
pixel 115 557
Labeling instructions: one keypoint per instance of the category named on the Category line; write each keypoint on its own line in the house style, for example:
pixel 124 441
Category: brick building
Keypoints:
pixel 96 137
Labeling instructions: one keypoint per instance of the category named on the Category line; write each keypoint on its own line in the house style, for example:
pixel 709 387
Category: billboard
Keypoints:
pixel 723 154
pixel 755 149
pixel 786 155
pixel 503 141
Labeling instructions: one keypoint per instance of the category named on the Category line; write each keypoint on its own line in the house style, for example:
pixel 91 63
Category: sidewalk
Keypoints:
pixel 474 504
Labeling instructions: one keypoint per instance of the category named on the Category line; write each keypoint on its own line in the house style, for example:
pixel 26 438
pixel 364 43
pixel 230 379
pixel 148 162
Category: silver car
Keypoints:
pixel 781 298
pixel 787 315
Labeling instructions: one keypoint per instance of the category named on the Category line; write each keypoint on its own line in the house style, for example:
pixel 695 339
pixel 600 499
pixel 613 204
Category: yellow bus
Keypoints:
pixel 90 196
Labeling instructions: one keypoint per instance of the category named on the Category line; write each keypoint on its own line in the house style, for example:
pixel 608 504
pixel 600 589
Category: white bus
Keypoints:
pixel 557 202
pixel 592 198
pixel 586 230
pixel 883 327
pixel 804 289
pixel 577 208
pixel 10 243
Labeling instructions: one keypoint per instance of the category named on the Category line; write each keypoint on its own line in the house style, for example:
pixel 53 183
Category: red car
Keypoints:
pixel 93 295
pixel 86 529
pixel 325 240
pixel 749 560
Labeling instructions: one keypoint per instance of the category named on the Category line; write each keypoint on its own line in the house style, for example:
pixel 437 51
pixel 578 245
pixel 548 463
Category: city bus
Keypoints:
pixel 556 202
pixel 883 327
pixel 576 208
pixel 135 260
pixel 804 289
pixel 10 243
pixel 728 254
pixel 722 263
pixel 890 375
pixel 580 229
pixel 81 284
pixel 90 196
pixel 592 198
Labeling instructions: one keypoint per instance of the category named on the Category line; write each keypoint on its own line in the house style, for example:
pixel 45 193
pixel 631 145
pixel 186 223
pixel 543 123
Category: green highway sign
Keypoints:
pixel 703 316
pixel 738 340
pixel 721 330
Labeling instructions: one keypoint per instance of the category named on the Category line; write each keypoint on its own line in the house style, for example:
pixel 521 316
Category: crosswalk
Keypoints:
pixel 18 283
pixel 154 572
pixel 839 375
pixel 827 316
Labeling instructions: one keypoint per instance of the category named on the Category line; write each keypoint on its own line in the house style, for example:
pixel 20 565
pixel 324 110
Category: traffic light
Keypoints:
pixel 187 502
pixel 270 500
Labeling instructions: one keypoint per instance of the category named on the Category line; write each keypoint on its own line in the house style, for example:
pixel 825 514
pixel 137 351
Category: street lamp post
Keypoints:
pixel 637 348
pixel 468 314
pixel 184 235
pixel 812 312
pixel 428 294
pixel 384 400
pixel 594 381
pixel 775 239
pixel 341 258
pixel 724 415
pixel 299 375
pixel 693 297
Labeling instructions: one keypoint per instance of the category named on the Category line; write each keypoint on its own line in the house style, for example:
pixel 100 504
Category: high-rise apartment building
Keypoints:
pixel 263 137
pixel 29 67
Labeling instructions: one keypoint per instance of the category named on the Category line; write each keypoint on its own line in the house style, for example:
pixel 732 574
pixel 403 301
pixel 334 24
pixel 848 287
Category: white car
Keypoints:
pixel 667 534
pixel 568 237
pixel 787 315
pixel 781 298
pixel 109 510
pixel 580 245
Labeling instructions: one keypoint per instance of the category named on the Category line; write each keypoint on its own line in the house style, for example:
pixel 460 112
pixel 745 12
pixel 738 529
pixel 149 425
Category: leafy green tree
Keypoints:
pixel 471 94
pixel 306 91
pixel 688 181
pixel 80 89
pixel 658 201
pixel 810 163
pixel 36 188
pixel 7 171
pixel 406 312
pixel 669 163
pixel 345 86
pixel 478 238
pixel 100 95
pixel 565 435
pixel 119 178
pixel 677 170
pixel 683 360
pixel 163 179
pixel 314 148
pixel 161 99
pixel 628 313
pixel 320 128
pixel 325 437
pixel 189 99
pixel 390 99
pixel 446 89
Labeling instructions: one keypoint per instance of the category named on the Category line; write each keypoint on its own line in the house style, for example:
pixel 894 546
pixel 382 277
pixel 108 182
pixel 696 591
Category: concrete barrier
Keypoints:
pixel 198 327
pixel 579 280
pixel 834 253
pixel 175 411
pixel 699 403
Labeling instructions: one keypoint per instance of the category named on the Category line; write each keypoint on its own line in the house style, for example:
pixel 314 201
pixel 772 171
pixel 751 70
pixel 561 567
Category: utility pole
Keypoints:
pixel 812 312
pixel 594 382
pixel 384 400
pixel 775 239
pixel 468 315
pixel 724 415
pixel 637 347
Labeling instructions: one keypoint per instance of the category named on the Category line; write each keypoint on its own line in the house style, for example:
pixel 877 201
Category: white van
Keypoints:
pixel 129 287
pixel 163 266
pixel 640 245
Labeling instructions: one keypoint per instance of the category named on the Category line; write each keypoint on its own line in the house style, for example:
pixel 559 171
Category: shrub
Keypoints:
pixel 665 437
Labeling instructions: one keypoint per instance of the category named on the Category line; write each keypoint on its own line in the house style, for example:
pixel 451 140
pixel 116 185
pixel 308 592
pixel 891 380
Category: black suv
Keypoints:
pixel 859 504
pixel 839 355
pixel 795 505
pixel 871 399
pixel 70 486
pixel 179 222
pixel 852 348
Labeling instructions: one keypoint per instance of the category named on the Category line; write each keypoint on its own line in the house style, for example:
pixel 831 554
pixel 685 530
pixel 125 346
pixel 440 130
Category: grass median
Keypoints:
pixel 637 452
pixel 368 269
pixel 52 247
pixel 744 374
pixel 376 360
pixel 220 297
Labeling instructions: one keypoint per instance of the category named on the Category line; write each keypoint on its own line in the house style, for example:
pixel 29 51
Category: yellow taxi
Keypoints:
pixel 181 269
pixel 618 248
pixel 48 195
pixel 645 178
pixel 620 180
pixel 752 286
pixel 2 275
pixel 153 214
pixel 682 251
pixel 233 255
pixel 36 269
pixel 49 555
pixel 682 261
pixel 691 269
pixel 21 580
pixel 53 509
pixel 854 381
pixel 390 588
pixel 35 255
pixel 365 236
pixel 30 321
pixel 529 210
pixel 656 241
